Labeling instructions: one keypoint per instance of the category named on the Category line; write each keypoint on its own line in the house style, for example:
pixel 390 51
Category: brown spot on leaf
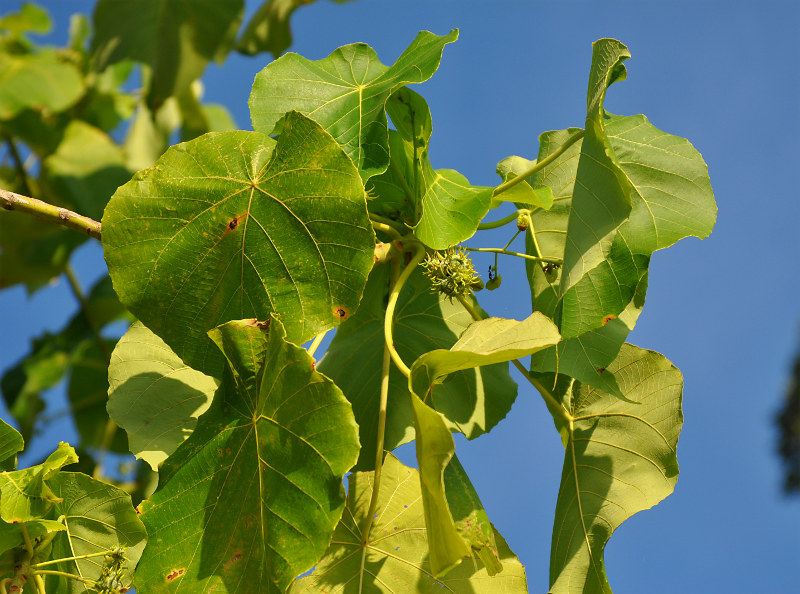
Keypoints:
pixel 234 558
pixel 601 370
pixel 234 222
pixel 175 573
pixel 138 511
pixel 341 312
pixel 608 318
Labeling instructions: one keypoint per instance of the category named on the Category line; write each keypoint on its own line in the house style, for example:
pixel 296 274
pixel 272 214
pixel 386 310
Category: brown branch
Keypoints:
pixel 48 212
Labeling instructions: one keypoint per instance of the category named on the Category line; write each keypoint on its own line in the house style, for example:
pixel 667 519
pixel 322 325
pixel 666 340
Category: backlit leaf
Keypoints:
pixel 620 459
pixel 10 444
pixel 234 225
pixel 154 395
pixel 254 494
pixel 396 554
pixel 37 81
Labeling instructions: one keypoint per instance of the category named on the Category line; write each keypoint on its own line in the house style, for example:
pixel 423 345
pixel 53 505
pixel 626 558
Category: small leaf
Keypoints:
pixel 346 93
pixel 254 494
pixel 154 395
pixel 522 193
pixel 11 444
pixel 620 459
pixel 235 225
pixel 397 557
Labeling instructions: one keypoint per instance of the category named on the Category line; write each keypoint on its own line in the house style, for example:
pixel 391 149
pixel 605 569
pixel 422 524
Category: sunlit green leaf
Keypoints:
pixel 346 93
pixel 493 340
pixel 149 134
pixel 254 494
pixel 175 39
pixel 522 193
pixel 11 535
pixel 10 444
pixel 235 225
pixel 153 395
pixel 396 554
pixel 620 459
pixel 30 17
pixel 37 81
pixel 472 401
pixel 98 517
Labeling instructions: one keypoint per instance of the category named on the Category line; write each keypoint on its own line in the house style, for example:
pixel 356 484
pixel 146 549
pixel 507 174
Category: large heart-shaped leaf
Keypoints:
pixel 395 552
pixel 233 225
pixel 346 93
pixel 620 459
pixel 154 395
pixel 253 496
pixel 472 401
pixel 175 39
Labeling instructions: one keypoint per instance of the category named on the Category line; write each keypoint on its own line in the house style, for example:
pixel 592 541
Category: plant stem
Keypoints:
pixel 419 253
pixel 76 558
pixel 540 164
pixel 509 253
pixel 38 583
pixel 496 224
pixel 20 166
pixel 63 574
pixel 548 397
pixel 48 212
pixel 399 227
pixel 388 229
pixel 316 342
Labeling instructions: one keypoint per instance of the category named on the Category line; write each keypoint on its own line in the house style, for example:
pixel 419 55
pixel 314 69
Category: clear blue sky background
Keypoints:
pixel 725 75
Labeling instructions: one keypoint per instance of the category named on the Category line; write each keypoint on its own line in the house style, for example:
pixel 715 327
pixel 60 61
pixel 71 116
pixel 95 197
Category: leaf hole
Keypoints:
pixel 341 312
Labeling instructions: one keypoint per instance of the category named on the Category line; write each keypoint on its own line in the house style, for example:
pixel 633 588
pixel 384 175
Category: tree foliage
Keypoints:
pixel 233 249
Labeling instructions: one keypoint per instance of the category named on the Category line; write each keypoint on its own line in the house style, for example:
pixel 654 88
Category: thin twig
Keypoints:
pixel 48 212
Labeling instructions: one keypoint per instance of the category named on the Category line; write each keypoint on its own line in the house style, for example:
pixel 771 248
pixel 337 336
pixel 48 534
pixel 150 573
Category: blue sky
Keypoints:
pixel 725 75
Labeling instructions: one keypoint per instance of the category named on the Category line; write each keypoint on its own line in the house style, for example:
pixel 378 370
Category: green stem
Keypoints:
pixel 496 224
pixel 517 254
pixel 38 583
pixel 48 212
pixel 416 258
pixel 64 574
pixel 555 406
pixel 388 229
pixel 540 164
pixel 19 164
pixel 63 559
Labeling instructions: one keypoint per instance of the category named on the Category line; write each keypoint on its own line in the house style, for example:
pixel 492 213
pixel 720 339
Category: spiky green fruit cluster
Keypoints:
pixel 451 272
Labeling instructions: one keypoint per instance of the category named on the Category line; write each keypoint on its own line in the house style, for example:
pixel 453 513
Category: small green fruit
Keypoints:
pixel 494 283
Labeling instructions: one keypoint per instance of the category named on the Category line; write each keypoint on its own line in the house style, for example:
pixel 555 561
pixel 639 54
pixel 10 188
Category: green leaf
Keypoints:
pixel 472 401
pixel 442 206
pixel 620 459
pixel 346 93
pixel 493 340
pixel 522 194
pixel 26 494
pixel 11 535
pixel 234 225
pixel 397 555
pixel 175 39
pixel 149 134
pixel 435 448
pixel 254 494
pixel 470 518
pixel 10 444
pixel 85 170
pixel 37 81
pixel 98 517
pixel 154 395
pixel 31 17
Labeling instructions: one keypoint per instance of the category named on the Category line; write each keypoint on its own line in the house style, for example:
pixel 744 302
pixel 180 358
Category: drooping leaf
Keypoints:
pixel 397 555
pixel 234 225
pixel 435 448
pixel 620 459
pixel 85 170
pixel 346 93
pixel 254 494
pixel 10 444
pixel 472 401
pixel 37 81
pixel 154 395
pixel 493 340
pixel 98 517
pixel 175 39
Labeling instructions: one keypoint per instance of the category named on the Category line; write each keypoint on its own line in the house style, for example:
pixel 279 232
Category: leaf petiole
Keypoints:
pixel 418 253
pixel 499 223
pixel 517 254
